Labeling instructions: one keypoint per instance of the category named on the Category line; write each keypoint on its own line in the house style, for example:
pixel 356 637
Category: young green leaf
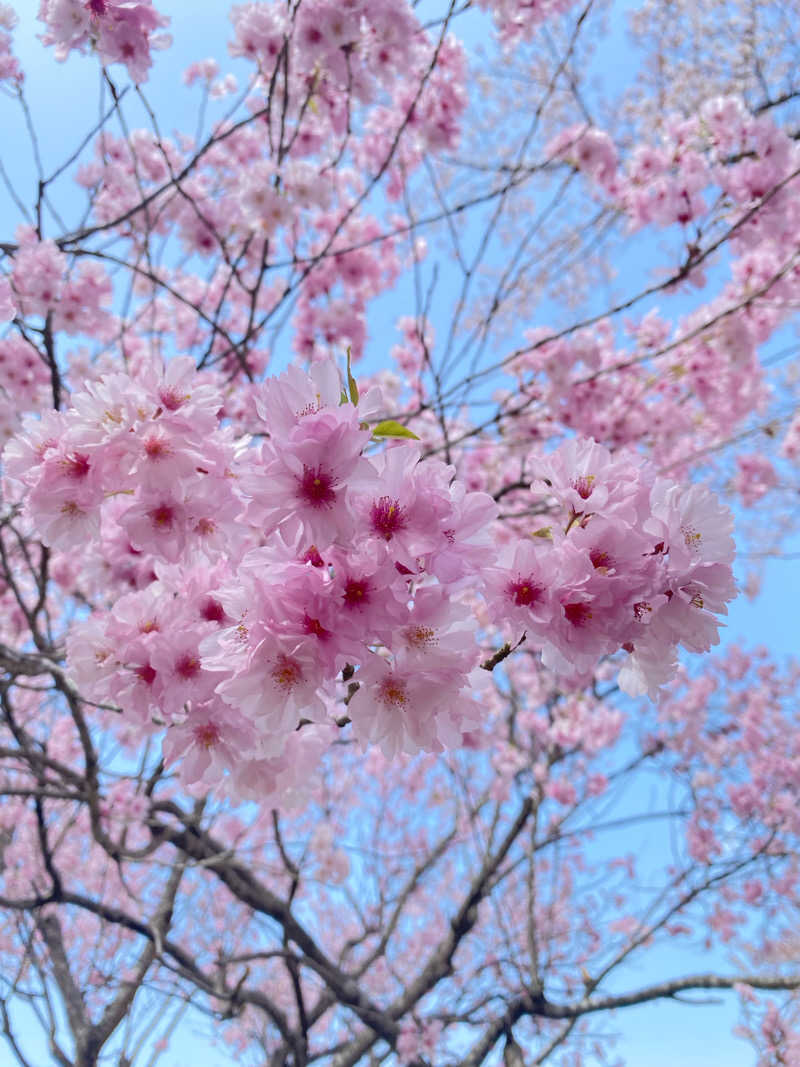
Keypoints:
pixel 351 382
pixel 390 428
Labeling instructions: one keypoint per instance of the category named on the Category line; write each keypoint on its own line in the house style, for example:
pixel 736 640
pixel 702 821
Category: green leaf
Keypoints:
pixel 390 428
pixel 351 382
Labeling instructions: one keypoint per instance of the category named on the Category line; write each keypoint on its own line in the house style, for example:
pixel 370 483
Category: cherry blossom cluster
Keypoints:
pixel 263 214
pixel 338 55
pixel 625 560
pixel 692 383
pixel 590 151
pixel 745 155
pixel 755 476
pixel 10 69
pixel 44 283
pixel 283 578
pixel 676 395
pixel 367 91
pixel 790 446
pixel 777 1035
pixel 142 441
pixel 122 31
pixel 24 383
pixel 333 554
pixel 739 715
pixel 516 22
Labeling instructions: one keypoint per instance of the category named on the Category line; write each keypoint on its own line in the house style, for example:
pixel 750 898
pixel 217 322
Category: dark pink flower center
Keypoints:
pixel 317 487
pixel 212 610
pixel 524 592
pixel 583 485
pixel 76 465
pixel 205 527
pixel 207 735
pixel 578 614
pixel 356 592
pixel 155 447
pixel 601 561
pixel 313 557
pixel 188 666
pixel 388 517
pixel 146 673
pixel 315 627
pixel 171 398
pixel 162 517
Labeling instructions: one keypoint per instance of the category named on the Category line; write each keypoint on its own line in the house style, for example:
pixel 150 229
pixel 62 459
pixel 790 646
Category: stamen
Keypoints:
pixel 583 485
pixel 317 487
pixel 286 673
pixel 578 614
pixel 392 691
pixel 388 517
pixel 524 592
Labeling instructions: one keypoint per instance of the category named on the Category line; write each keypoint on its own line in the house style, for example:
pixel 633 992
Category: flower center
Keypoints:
pixel 317 487
pixel 315 627
pixel 691 537
pixel 212 610
pixel 146 673
pixel 172 399
pixel 286 673
pixel 71 508
pixel 388 517
pixel 313 557
pixel 601 561
pixel 310 409
pixel 524 592
pixel 162 517
pixel 356 592
pixel 392 692
pixel 583 485
pixel 155 447
pixel 420 637
pixel 578 614
pixel 207 735
pixel 205 527
pixel 641 608
pixel 76 466
pixel 187 666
